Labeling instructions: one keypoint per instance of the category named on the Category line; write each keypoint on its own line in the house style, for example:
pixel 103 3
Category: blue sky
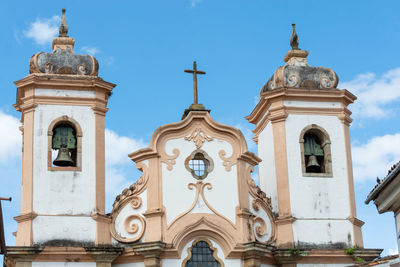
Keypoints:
pixel 144 46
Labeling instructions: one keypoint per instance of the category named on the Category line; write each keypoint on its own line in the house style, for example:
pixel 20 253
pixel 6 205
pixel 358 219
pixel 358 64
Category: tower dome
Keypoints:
pixel 63 60
pixel 297 73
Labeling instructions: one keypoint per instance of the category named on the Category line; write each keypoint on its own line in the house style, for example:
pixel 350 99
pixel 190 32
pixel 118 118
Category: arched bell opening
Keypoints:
pixel 315 146
pixel 65 143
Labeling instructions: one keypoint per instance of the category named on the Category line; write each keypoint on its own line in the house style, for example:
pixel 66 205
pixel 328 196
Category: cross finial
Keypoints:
pixel 294 39
pixel 63 30
pixel 195 72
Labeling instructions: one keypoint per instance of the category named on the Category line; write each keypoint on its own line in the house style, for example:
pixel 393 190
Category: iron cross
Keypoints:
pixel 195 72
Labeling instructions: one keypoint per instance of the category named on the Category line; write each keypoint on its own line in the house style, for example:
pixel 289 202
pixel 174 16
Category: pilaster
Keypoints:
pixel 151 252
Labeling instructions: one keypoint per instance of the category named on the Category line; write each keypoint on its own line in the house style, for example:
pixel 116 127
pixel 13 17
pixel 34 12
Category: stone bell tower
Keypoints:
pixel 63 104
pixel 302 131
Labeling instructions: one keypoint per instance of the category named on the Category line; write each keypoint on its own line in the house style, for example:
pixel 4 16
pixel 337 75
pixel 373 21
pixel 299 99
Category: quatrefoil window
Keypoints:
pixel 199 164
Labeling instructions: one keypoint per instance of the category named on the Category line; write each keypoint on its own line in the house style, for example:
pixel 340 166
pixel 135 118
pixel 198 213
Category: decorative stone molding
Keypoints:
pixel 25 217
pixel 104 254
pixel 198 136
pixel 151 252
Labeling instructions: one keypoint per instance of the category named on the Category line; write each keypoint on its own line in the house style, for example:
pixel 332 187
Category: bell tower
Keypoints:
pixel 63 104
pixel 302 133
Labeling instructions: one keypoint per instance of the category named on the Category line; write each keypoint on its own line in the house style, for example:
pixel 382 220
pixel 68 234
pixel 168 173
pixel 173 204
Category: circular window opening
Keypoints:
pixel 199 164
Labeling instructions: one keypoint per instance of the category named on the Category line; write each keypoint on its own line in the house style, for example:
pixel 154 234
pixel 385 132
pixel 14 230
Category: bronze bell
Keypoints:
pixel 313 165
pixel 65 141
pixel 63 158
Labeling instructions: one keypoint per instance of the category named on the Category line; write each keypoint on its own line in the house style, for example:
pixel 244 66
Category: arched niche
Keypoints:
pixel 65 120
pixel 321 137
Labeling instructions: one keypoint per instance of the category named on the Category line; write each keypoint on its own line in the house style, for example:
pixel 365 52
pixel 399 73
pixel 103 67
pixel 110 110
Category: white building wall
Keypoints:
pixel 316 198
pixel 63 192
pixel 63 228
pixel 266 168
pixel 224 183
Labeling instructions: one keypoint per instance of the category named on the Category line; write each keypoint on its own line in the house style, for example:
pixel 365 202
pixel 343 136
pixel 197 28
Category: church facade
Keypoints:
pixel 196 203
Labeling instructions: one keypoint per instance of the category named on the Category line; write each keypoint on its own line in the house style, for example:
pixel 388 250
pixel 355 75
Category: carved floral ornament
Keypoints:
pixel 198 136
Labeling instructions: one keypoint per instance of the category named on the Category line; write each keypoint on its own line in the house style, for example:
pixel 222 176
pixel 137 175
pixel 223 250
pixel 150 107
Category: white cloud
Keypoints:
pixel 90 50
pixel 42 31
pixel 120 170
pixel 374 158
pixel 374 93
pixel 193 3
pixel 393 251
pixel 10 138
pixel 118 147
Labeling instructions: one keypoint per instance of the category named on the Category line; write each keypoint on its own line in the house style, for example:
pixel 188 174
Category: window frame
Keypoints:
pixel 325 141
pixel 208 168
pixel 213 249
pixel 75 125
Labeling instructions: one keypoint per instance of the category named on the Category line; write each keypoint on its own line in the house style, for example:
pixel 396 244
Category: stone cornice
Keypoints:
pixel 343 96
pixel 25 217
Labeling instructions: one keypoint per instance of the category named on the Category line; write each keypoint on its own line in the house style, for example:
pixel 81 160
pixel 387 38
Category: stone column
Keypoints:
pixel 104 256
pixel 253 253
pixel 151 252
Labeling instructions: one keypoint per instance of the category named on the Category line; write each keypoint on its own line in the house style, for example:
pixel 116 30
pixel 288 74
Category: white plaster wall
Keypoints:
pixel 266 168
pixel 177 198
pixel 312 104
pixel 127 211
pixel 63 192
pixel 133 264
pixel 64 264
pixel 323 232
pixel 76 228
pixel 268 265
pixel 317 197
pixel 70 93
pixel 184 254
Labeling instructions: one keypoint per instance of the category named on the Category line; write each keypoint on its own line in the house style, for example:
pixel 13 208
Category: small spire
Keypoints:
pixel 294 39
pixel 63 30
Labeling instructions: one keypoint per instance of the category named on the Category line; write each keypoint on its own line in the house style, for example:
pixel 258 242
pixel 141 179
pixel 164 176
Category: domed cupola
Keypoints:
pixel 63 60
pixel 298 74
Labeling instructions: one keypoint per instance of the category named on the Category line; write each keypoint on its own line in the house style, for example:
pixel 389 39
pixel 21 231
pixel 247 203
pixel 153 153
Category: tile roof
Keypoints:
pixel 376 261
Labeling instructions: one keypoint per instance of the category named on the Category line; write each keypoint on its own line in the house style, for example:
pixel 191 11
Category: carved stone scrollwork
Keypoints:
pixel 262 210
pixel 133 189
pixel 292 80
pixel 260 227
pixel 134 225
pixel 199 186
pixel 81 69
pixel 136 202
pixel 228 162
pixel 198 136
pixel 170 160
pixel 49 67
